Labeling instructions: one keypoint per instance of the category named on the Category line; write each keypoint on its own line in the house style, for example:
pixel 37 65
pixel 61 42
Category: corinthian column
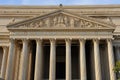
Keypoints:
pixel 68 59
pixel 98 75
pixel 83 74
pixel 24 61
pixel 111 59
pixel 52 60
pixel 10 65
pixel 38 61
pixel 4 61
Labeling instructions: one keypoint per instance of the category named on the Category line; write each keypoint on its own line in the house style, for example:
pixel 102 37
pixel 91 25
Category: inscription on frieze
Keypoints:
pixel 62 34
pixel 58 33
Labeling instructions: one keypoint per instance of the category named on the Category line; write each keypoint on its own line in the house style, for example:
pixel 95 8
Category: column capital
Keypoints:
pixel 4 47
pixel 68 40
pixel 52 40
pixel 109 40
pixel 38 40
pixel 96 40
pixel 25 40
pixel 82 40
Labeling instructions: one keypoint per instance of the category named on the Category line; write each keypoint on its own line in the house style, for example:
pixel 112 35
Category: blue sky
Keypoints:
pixel 57 2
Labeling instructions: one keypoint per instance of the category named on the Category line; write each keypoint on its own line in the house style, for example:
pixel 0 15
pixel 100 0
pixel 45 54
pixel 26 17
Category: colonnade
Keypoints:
pixel 52 66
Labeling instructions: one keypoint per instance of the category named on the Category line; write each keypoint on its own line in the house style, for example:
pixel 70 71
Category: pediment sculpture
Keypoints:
pixel 60 20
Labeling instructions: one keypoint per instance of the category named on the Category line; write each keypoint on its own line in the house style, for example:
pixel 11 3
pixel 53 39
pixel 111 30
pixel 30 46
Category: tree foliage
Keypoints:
pixel 117 69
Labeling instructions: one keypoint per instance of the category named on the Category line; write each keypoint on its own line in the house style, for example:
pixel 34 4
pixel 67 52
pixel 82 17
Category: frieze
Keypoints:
pixel 58 33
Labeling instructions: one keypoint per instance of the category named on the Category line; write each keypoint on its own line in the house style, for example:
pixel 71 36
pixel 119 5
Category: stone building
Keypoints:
pixel 59 42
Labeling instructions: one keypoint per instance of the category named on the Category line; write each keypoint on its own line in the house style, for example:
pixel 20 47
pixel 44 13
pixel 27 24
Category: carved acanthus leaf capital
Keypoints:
pixel 39 40
pixel 96 40
pixel 109 40
pixel 68 40
pixel 82 40
pixel 52 40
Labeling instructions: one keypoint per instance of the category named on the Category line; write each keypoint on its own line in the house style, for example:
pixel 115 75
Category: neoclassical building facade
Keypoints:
pixel 59 42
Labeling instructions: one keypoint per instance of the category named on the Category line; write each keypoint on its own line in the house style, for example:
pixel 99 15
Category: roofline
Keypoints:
pixel 57 6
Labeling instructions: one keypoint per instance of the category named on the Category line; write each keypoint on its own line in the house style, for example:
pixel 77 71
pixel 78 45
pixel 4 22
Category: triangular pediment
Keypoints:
pixel 61 19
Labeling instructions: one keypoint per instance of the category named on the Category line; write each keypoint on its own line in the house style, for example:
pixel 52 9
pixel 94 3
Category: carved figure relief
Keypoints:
pixel 61 20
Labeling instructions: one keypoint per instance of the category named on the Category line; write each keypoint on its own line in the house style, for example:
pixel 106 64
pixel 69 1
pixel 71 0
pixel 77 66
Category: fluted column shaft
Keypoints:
pixel 83 75
pixel 111 59
pixel 4 61
pixel 17 62
pixel 38 61
pixel 10 65
pixel 24 61
pixel 52 60
pixel 68 60
pixel 98 75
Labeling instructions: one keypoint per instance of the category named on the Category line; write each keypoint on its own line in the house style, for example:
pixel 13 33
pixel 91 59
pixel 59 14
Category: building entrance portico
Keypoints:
pixel 61 45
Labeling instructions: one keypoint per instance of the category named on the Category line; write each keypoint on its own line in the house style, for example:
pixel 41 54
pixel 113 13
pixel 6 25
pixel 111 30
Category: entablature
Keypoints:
pixel 93 10
pixel 61 34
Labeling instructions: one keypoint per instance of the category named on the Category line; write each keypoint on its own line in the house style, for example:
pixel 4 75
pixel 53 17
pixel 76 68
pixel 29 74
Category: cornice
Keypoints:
pixel 90 10
pixel 64 30
pixel 57 6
